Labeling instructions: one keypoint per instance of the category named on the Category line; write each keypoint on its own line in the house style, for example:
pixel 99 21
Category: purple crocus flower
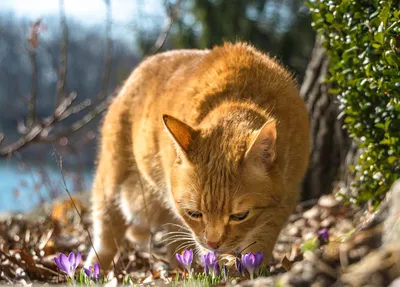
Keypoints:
pixel 324 234
pixel 186 259
pixel 93 272
pixel 68 264
pixel 239 266
pixel 206 270
pixel 209 262
pixel 216 269
pixel 252 261
pixel 209 258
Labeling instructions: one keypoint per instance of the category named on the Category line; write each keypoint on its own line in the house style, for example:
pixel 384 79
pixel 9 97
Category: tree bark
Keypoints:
pixel 330 142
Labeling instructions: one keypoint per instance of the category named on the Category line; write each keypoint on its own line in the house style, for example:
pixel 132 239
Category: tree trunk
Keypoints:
pixel 330 142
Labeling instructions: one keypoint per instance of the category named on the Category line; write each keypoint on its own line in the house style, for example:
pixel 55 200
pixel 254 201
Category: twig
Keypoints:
pixel 105 79
pixel 32 99
pixel 74 127
pixel 62 70
pixel 172 15
pixel 59 164
pixel 40 130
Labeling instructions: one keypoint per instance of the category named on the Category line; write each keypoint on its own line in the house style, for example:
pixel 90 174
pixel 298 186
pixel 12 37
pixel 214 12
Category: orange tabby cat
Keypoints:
pixel 214 142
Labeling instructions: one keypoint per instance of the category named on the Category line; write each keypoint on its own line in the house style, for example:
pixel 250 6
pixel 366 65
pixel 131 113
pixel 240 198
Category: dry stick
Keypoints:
pixel 247 246
pixel 172 12
pixel 59 163
pixel 74 127
pixel 34 134
pixel 105 79
pixel 62 71
pixel 32 100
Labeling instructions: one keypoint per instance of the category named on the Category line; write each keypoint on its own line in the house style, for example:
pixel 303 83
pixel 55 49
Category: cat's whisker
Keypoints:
pixel 178 238
pixel 172 240
pixel 184 227
pixel 176 241
pixel 197 250
pixel 176 235
pixel 177 232
pixel 183 246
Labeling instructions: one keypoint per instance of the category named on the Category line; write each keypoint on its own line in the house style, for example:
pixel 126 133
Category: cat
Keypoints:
pixel 212 144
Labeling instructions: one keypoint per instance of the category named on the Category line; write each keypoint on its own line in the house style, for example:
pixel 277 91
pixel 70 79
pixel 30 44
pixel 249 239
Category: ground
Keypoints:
pixel 352 255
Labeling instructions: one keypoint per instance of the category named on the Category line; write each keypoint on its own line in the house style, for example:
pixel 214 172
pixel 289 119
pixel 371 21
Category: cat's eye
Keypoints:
pixel 239 216
pixel 194 214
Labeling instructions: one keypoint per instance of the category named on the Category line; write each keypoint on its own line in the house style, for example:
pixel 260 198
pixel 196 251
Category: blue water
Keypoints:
pixel 23 188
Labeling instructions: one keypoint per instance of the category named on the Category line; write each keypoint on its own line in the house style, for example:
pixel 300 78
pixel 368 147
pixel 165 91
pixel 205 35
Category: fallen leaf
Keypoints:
pixel 286 263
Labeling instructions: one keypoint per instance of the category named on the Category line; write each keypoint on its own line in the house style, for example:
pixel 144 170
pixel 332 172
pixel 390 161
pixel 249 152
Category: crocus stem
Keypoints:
pixel 71 281
pixel 251 275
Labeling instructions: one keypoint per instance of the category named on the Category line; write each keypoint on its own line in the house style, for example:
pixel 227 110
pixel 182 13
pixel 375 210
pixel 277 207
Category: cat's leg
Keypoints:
pixel 136 203
pixel 115 162
pixel 109 228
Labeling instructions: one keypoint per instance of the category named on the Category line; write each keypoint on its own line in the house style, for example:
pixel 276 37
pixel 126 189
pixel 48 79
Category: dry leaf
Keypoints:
pixel 286 263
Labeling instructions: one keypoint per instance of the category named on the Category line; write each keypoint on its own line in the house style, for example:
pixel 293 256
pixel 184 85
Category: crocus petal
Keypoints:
pixel 78 259
pixel 213 257
pixel 324 234
pixel 179 258
pixel 71 258
pixel 188 256
pixel 216 269
pixel 239 266
pixel 57 262
pixel 96 273
pixel 64 262
pixel 248 261
pixel 206 270
pixel 87 271
pixel 259 259
pixel 204 259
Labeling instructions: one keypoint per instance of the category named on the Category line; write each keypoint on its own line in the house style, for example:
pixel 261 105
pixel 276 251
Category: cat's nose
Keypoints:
pixel 212 245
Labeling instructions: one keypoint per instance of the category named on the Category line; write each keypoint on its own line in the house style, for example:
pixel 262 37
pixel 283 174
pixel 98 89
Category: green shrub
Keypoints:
pixel 363 41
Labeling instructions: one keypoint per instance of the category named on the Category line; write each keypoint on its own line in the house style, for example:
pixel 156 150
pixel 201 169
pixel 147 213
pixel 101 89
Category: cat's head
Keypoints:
pixel 225 183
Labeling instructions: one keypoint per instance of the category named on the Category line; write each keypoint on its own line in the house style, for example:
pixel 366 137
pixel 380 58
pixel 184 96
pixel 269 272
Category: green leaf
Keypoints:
pixel 329 18
pixel 378 37
pixel 392 58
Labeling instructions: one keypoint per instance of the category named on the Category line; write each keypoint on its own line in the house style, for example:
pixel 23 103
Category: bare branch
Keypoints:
pixel 34 132
pixel 172 15
pixel 45 130
pixel 38 131
pixel 77 109
pixel 101 107
pixel 32 99
pixel 62 69
pixel 105 79
pixel 63 106
pixel 60 166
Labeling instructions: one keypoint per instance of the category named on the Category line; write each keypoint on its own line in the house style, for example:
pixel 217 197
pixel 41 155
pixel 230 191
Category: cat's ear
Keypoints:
pixel 263 144
pixel 182 134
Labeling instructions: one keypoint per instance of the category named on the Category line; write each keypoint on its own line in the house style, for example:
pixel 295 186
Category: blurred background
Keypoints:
pixel 62 61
